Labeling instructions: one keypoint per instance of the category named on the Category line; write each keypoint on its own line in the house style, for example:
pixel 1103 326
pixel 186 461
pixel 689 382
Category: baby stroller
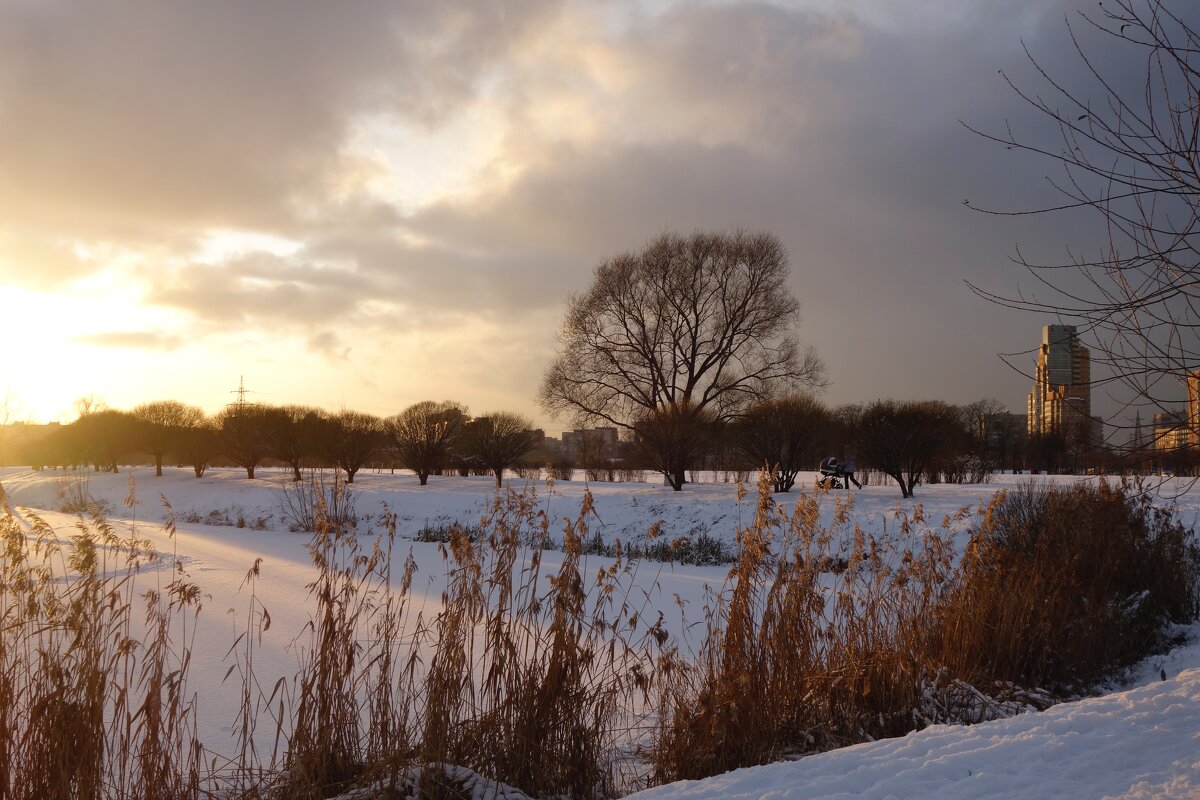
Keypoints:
pixel 832 476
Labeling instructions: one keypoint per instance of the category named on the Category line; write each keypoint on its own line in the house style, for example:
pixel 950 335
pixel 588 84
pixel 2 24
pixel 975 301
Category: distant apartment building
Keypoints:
pixel 599 444
pixel 1193 407
pixel 1061 400
pixel 1171 431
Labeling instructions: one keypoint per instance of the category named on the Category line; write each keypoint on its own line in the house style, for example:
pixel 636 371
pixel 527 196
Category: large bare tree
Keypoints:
pixel 1127 150
pixel 703 322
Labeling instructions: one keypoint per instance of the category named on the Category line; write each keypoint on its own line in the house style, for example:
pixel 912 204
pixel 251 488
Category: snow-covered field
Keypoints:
pixel 1140 742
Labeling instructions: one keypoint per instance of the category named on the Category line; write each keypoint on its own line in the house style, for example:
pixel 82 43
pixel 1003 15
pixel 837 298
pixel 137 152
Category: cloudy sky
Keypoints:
pixel 366 204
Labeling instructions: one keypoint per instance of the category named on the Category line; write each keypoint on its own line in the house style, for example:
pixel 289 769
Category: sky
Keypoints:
pixel 368 204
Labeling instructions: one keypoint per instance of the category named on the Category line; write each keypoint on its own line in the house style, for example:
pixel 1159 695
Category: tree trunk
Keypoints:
pixel 423 477
pixel 158 465
pixel 296 476
pixel 350 473
pixel 677 479
pixel 199 469
pixel 500 478
pixel 250 471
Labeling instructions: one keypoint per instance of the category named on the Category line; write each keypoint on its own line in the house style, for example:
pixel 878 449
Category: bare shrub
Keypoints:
pixel 602 474
pixel 561 469
pixel 75 496
pixel 700 550
pixel 315 500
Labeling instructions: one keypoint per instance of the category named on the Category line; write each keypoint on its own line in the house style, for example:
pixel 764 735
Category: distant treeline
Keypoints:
pixel 909 442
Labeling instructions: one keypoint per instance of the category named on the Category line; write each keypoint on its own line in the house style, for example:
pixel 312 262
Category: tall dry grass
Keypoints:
pixel 93 697
pixel 1058 588
pixel 522 675
pixel 1061 585
pixel 809 648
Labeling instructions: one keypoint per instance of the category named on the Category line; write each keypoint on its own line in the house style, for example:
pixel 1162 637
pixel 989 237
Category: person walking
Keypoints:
pixel 848 472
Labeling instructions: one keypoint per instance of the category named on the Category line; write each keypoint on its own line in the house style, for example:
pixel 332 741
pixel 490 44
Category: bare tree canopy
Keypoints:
pixel 422 435
pixel 703 322
pixel 904 439
pixel 498 441
pixel 158 424
pixel 1129 150
pixel 782 435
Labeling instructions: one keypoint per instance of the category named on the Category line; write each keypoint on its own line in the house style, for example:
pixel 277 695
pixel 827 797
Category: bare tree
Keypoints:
pixel 903 440
pixel 243 435
pixel 703 322
pixel 198 445
pixel 673 438
pixel 424 433
pixel 102 438
pixel 290 433
pixel 350 439
pixel 1129 151
pixel 157 424
pixel 89 404
pixel 499 441
pixel 783 434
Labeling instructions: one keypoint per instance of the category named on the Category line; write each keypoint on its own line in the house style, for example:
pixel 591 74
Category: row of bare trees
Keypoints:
pixel 427 437
pixel 909 441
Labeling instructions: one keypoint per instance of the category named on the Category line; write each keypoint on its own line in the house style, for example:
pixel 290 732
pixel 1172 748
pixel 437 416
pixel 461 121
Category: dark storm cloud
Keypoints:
pixel 842 138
